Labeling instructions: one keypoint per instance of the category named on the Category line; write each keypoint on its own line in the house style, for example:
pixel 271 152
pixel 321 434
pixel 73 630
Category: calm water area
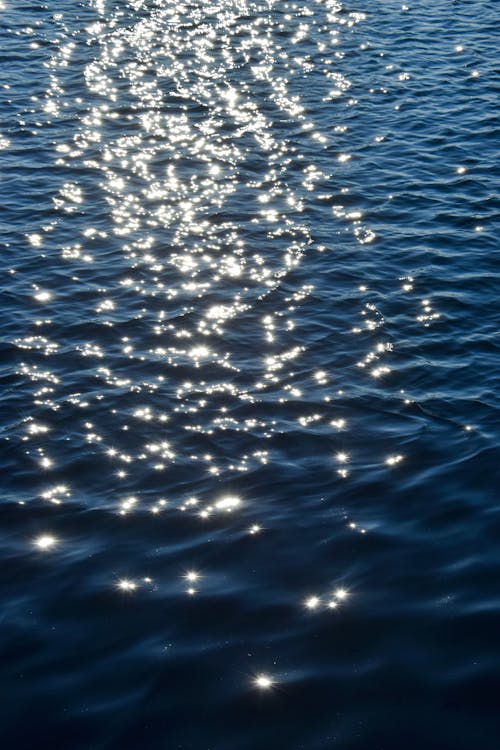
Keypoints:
pixel 250 389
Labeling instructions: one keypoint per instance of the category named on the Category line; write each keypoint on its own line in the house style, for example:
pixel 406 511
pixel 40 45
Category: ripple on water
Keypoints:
pixel 250 385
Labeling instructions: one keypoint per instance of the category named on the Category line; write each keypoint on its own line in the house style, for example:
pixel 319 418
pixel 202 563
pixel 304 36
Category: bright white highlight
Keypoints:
pixel 45 541
pixel 228 503
pixel 263 681
pixel 126 585
pixel 312 602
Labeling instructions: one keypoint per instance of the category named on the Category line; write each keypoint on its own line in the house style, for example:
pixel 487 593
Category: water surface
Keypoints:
pixel 250 410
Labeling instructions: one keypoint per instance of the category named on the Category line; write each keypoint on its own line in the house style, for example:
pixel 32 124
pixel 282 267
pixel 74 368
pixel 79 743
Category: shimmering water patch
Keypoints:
pixel 250 410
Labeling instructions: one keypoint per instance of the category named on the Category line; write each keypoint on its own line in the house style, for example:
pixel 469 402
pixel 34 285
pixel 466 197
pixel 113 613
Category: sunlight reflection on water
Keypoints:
pixel 237 335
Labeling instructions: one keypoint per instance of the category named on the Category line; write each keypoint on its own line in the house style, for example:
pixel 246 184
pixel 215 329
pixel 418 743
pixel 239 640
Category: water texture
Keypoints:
pixel 250 389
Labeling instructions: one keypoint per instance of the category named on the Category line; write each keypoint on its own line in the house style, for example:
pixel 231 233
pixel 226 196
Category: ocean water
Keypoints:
pixel 250 375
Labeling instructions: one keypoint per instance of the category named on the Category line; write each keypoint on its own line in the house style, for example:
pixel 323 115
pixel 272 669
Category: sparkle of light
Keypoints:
pixel 263 681
pixel 228 503
pixel 45 541
pixel 312 602
pixel 127 585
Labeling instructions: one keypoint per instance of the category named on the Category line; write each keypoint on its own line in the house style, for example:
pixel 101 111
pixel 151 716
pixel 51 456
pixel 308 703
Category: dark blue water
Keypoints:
pixel 250 383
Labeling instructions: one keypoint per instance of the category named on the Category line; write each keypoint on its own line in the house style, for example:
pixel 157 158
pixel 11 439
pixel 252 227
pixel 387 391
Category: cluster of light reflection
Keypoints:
pixel 189 271
pixel 330 601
